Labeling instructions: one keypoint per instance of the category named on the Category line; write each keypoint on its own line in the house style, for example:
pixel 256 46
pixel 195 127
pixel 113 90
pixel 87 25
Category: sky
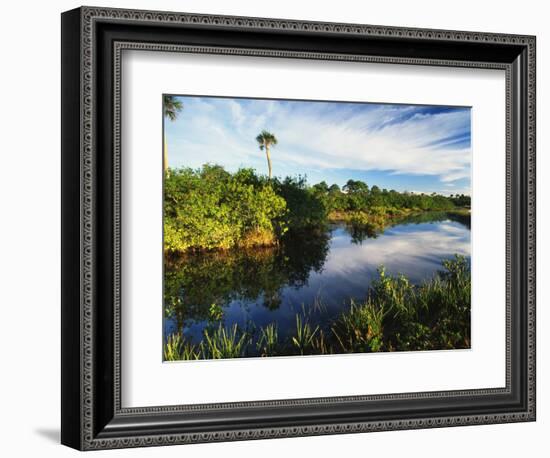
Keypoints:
pixel 415 148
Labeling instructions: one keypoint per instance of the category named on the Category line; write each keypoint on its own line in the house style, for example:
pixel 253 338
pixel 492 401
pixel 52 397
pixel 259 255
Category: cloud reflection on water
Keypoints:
pixel 415 250
pixel 412 250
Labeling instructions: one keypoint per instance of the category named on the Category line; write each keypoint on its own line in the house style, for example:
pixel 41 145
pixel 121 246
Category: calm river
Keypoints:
pixel 317 276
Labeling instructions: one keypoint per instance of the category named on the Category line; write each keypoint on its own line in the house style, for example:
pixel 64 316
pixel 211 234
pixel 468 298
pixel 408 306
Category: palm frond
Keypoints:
pixel 266 138
pixel 171 106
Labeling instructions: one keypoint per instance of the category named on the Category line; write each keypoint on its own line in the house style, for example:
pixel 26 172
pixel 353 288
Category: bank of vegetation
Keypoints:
pixel 212 209
pixel 396 315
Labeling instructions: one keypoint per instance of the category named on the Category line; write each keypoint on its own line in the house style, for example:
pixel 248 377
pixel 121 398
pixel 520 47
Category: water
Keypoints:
pixel 317 276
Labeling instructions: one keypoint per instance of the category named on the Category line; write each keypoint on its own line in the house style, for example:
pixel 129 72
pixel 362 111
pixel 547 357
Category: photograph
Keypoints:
pixel 307 227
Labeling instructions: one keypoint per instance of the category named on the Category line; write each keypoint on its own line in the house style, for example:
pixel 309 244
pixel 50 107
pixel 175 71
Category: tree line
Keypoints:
pixel 211 208
pixel 356 195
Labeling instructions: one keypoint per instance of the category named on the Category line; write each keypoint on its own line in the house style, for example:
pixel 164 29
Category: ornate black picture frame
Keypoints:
pixel 92 42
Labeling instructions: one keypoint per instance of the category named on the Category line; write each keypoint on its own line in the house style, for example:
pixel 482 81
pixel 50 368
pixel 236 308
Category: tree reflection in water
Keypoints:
pixel 257 286
pixel 194 282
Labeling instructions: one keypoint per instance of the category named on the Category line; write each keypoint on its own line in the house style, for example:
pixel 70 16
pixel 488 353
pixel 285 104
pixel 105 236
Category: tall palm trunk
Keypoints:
pixel 165 156
pixel 268 160
pixel 265 141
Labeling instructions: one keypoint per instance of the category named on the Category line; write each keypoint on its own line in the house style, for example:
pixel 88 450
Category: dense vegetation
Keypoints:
pixel 210 208
pixel 395 316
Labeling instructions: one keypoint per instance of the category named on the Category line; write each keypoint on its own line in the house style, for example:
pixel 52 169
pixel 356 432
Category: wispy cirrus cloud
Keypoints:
pixel 323 138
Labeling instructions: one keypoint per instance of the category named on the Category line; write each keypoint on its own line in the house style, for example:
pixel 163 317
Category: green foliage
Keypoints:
pixel 210 208
pixel 461 200
pixel 222 343
pixel 360 329
pixel 218 343
pixel 268 342
pixel 265 139
pixel 215 312
pixel 357 196
pixel 176 349
pixel 305 208
pixel 304 337
pixel 396 316
pixel 399 316
pixel 435 315
pixel 171 106
pixel 394 294
pixel 234 236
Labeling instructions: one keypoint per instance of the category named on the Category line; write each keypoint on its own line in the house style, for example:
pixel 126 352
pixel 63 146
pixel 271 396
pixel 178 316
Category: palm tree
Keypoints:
pixel 171 106
pixel 265 140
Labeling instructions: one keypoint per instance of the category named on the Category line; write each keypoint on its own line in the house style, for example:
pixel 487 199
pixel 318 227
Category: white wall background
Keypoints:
pixel 30 229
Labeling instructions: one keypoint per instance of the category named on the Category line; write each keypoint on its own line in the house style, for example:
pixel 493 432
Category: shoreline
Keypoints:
pixel 359 219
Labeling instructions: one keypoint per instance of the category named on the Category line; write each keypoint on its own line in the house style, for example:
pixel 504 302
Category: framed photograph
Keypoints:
pixel 276 228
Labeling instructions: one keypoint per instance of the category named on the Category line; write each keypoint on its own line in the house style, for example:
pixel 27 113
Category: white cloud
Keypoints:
pixel 324 136
pixel 400 148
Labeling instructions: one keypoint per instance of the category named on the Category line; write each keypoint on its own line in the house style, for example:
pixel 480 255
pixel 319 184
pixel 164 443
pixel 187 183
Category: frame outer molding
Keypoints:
pixel 78 43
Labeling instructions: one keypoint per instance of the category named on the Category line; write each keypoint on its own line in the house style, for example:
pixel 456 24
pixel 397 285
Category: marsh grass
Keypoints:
pixel 396 315
pixel 360 329
pixel 176 349
pixel 268 342
pixel 222 343
pixel 304 335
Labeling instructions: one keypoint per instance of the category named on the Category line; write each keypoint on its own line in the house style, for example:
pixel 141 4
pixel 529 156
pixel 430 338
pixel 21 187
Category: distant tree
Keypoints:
pixel 321 188
pixel 265 140
pixel 375 196
pixel 356 186
pixel 461 200
pixel 171 107
pixel 357 194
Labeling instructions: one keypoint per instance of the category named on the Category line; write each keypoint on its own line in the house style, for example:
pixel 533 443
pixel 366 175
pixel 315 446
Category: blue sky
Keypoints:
pixel 417 148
